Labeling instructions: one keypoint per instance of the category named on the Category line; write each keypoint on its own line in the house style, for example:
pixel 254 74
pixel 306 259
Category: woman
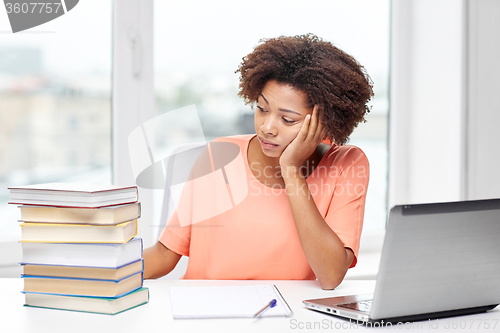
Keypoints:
pixel 303 215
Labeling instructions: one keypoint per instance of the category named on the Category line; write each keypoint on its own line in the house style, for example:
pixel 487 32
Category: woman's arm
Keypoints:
pixel 324 250
pixel 159 261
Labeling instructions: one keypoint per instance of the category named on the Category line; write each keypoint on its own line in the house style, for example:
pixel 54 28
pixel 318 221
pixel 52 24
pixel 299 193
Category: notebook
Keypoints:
pixel 438 260
pixel 227 302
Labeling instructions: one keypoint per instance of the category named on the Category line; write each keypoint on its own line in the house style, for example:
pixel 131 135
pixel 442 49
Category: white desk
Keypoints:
pixel 156 316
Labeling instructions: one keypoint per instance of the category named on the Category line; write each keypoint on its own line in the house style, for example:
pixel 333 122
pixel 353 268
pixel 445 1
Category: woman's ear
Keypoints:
pixel 324 136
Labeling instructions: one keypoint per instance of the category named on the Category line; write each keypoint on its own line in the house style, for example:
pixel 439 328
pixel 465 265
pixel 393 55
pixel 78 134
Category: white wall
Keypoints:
pixel 483 90
pixel 444 114
pixel 445 118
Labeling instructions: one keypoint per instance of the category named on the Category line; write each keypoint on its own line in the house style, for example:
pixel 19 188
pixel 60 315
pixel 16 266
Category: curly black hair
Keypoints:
pixel 331 78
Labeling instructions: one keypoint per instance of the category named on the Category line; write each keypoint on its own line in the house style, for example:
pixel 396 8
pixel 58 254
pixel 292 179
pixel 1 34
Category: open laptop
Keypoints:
pixel 438 260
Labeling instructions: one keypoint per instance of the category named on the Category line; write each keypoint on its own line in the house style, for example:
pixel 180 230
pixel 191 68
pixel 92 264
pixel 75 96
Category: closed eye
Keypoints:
pixel 288 121
pixel 261 109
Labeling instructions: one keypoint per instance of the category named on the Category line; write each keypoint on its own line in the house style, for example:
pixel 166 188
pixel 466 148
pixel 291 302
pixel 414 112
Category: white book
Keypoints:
pixel 89 255
pixel 227 302
pixel 73 195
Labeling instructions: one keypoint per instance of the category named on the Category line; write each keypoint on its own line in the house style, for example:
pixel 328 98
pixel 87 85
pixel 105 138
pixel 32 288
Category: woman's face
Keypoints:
pixel 281 110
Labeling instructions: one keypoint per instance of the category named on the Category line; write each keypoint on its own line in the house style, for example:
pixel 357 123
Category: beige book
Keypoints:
pixel 74 233
pixel 82 287
pixel 84 272
pixel 102 305
pixel 99 216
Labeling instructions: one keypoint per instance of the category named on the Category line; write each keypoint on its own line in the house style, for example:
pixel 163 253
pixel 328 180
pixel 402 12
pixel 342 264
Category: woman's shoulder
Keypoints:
pixel 234 138
pixel 240 140
pixel 345 154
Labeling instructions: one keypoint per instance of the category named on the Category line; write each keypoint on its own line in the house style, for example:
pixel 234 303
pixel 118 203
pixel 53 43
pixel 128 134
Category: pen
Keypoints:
pixel 271 304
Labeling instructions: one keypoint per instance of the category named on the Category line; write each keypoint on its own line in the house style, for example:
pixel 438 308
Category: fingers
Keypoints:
pixel 312 130
pixel 313 123
pixel 304 130
pixel 316 130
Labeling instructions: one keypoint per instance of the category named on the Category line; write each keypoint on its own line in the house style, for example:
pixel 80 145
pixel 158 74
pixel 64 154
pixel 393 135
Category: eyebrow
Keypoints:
pixel 280 109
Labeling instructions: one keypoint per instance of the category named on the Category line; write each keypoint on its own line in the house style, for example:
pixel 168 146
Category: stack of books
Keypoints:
pixel 79 250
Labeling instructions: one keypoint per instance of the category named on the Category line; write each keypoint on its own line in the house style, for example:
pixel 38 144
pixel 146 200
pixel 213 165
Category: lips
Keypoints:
pixel 267 144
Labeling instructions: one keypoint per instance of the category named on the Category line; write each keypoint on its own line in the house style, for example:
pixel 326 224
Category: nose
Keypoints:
pixel 269 126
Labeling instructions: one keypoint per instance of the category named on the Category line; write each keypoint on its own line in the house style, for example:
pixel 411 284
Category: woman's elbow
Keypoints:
pixel 331 283
pixel 336 275
pixel 159 261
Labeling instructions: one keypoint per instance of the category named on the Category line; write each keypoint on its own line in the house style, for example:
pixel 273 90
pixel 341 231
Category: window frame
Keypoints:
pixel 133 94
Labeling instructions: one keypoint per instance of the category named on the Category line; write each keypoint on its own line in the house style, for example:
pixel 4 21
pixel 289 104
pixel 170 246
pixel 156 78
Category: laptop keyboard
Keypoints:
pixel 361 306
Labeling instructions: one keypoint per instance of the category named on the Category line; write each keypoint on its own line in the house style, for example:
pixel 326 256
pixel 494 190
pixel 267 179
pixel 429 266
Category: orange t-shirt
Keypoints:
pixel 256 237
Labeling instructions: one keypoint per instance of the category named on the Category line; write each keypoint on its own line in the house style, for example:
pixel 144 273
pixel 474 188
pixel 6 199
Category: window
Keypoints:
pixel 198 46
pixel 55 104
pixel 55 84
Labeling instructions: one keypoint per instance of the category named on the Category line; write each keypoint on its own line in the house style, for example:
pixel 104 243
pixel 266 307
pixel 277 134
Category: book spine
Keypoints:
pixel 103 247
pixel 25 276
